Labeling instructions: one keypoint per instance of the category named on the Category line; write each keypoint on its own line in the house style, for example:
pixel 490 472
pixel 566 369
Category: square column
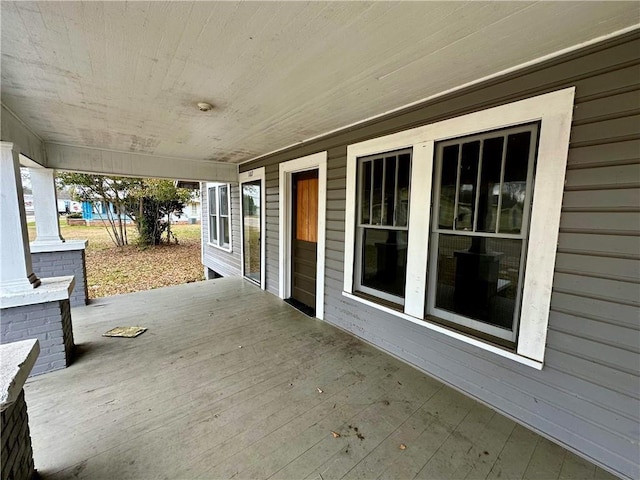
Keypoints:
pixel 51 254
pixel 45 203
pixel 16 271
pixel 27 312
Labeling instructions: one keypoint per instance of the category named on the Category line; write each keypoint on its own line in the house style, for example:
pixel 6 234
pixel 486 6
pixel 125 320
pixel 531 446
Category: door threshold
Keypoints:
pixel 307 310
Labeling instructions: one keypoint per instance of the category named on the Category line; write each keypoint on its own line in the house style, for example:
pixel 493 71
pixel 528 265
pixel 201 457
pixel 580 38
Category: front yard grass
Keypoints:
pixel 112 270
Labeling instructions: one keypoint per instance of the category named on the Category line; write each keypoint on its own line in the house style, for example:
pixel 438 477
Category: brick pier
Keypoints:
pixel 17 454
pixel 65 259
pixel 43 313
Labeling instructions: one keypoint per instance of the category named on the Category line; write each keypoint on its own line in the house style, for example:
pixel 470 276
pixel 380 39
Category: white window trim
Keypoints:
pixel 211 185
pixel 252 176
pixel 309 162
pixel 554 111
pixel 421 165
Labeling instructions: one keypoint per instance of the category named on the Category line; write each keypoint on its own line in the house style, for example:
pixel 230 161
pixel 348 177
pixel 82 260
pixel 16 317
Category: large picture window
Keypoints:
pixel 473 258
pixel 219 216
pixel 383 207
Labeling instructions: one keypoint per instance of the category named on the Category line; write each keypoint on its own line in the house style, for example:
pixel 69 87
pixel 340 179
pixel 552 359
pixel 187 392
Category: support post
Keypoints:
pixel 45 202
pixel 16 271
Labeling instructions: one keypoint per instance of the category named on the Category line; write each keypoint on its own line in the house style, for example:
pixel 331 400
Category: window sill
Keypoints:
pixel 450 333
pixel 381 302
pixel 228 250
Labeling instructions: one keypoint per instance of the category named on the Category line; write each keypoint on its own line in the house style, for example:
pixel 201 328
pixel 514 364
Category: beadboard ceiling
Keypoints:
pixel 127 76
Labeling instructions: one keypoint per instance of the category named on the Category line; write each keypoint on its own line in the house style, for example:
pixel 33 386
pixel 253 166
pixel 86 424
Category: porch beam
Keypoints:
pixel 45 203
pixel 108 162
pixel 24 140
pixel 16 270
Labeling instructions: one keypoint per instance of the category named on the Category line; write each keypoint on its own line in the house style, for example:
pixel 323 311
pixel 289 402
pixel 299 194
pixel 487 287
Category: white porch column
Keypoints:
pixel 16 271
pixel 45 203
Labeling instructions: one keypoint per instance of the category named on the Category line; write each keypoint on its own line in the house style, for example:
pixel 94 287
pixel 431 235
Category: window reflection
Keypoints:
pixel 251 226
pixel 402 194
pixel 384 262
pixel 366 193
pixel 514 188
pixel 489 194
pixel 448 183
pixel 478 277
pixel 468 179
pixel 376 201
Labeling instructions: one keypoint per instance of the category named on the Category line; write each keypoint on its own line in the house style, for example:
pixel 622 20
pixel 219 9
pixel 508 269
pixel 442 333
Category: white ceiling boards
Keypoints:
pixel 128 76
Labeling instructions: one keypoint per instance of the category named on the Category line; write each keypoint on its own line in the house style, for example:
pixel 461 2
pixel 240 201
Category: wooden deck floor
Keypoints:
pixel 224 384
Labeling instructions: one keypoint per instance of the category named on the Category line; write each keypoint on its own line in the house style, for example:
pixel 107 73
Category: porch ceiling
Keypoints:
pixel 127 76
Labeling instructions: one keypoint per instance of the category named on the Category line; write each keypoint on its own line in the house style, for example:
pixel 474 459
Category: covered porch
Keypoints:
pixel 235 383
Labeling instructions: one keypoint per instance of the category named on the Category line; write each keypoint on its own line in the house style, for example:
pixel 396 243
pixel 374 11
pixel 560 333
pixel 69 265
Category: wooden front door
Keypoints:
pixel 305 238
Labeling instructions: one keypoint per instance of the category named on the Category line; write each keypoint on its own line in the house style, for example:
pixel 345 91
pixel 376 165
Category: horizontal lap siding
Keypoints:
pixel 224 263
pixel 587 395
pixel 273 235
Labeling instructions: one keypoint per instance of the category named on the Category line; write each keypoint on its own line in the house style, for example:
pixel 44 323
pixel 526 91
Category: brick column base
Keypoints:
pixel 61 263
pixel 50 323
pixel 17 453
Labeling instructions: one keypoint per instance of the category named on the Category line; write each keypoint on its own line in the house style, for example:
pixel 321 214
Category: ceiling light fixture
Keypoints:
pixel 204 106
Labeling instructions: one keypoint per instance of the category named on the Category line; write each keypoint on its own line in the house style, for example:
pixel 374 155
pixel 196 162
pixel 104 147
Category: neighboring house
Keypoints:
pixel 191 212
pixel 63 206
pixel 65 203
pixel 96 212
pixel 194 209
pixel 390 230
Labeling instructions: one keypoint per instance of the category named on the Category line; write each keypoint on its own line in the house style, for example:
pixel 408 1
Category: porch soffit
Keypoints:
pixel 129 164
pixel 119 81
pixel 35 153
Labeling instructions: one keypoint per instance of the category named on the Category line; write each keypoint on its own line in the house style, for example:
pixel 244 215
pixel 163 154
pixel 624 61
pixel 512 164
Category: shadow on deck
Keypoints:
pixel 231 382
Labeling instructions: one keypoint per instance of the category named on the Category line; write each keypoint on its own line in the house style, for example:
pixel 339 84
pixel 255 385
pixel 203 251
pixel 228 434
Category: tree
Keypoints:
pixel 157 201
pixel 111 191
pixel 148 202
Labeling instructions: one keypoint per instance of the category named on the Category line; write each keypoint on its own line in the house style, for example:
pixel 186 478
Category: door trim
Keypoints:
pixel 251 176
pixel 309 162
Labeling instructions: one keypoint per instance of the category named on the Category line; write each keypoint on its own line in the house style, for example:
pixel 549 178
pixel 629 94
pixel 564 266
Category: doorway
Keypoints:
pixel 302 206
